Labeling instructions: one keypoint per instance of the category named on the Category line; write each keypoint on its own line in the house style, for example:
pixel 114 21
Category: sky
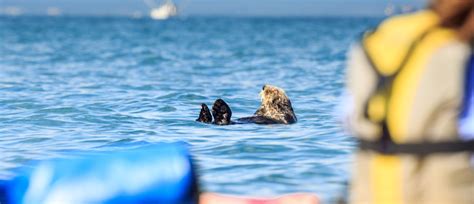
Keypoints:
pixel 208 7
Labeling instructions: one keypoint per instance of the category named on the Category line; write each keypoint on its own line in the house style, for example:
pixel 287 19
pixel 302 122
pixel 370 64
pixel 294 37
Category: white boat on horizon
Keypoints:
pixel 162 12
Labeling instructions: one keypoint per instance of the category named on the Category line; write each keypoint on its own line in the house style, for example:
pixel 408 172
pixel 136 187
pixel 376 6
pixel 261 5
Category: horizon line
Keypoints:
pixel 200 15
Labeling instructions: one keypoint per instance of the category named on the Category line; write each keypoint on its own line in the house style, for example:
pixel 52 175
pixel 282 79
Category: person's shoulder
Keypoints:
pixel 408 23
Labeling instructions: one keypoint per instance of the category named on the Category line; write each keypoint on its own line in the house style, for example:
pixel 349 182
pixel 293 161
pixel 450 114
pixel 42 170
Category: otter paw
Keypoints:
pixel 205 114
pixel 221 112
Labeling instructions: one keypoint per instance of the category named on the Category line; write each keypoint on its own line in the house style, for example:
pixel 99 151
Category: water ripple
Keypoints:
pixel 102 84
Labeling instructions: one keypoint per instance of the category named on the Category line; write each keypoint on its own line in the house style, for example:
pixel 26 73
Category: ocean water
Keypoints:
pixel 102 84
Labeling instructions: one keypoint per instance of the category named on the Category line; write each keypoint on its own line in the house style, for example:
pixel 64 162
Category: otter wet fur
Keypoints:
pixel 275 109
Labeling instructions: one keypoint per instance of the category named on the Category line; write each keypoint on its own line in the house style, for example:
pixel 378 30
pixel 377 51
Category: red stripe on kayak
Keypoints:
pixel 257 201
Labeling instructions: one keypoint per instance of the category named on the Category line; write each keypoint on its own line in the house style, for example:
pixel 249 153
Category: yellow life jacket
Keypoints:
pixel 399 50
pixel 398 57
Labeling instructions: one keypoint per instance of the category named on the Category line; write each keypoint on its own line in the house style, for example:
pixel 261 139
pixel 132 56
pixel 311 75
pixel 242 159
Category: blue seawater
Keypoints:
pixel 106 83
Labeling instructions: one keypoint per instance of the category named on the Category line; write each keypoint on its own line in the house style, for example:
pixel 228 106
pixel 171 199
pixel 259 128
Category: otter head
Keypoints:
pixel 276 105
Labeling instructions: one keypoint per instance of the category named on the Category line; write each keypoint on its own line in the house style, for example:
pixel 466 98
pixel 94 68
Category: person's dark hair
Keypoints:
pixel 466 32
pixel 453 13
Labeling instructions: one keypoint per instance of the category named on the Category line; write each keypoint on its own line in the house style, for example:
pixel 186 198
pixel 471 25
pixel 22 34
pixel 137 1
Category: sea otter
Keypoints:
pixel 275 109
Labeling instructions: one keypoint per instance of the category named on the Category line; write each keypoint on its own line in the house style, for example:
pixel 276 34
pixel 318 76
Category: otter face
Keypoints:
pixel 276 105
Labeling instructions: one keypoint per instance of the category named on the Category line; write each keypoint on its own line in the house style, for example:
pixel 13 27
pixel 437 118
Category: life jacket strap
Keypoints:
pixel 388 147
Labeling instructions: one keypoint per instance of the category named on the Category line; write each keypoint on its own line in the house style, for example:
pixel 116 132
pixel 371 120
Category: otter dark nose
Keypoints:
pixel 263 88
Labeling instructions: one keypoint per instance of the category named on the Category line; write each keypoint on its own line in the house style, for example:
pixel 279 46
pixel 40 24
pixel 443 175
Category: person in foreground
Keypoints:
pixel 409 96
